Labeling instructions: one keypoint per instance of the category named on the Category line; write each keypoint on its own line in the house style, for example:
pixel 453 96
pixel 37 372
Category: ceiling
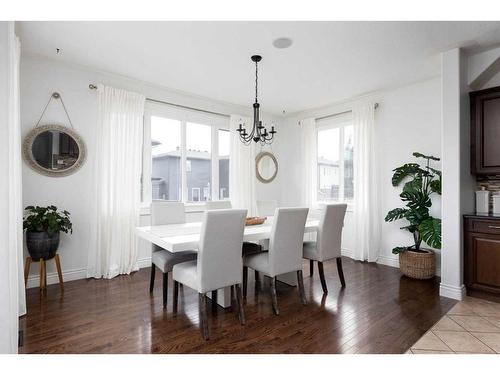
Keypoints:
pixel 328 61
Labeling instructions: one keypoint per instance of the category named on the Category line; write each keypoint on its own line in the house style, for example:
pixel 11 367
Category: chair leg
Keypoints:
pixel 245 281
pixel 165 289
pixel 239 298
pixel 27 270
pixel 257 278
pixel 273 296
pixel 311 267
pixel 322 277
pixel 202 308
pixel 152 281
pixel 214 300
pixel 176 295
pixel 300 281
pixel 341 272
pixel 59 272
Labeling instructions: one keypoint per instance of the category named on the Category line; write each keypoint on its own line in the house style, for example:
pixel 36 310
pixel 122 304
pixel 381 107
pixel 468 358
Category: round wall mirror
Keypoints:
pixel 54 150
pixel 266 167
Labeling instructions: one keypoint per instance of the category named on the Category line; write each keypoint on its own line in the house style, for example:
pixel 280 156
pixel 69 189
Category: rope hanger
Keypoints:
pixel 55 95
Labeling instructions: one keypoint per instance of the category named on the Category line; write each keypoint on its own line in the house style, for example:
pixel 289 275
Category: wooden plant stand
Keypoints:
pixel 43 272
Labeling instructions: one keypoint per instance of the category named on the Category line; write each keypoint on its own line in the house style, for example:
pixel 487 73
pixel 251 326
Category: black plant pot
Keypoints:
pixel 42 245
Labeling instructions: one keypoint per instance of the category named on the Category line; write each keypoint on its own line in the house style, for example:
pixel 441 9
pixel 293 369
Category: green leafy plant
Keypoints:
pixel 47 219
pixel 421 183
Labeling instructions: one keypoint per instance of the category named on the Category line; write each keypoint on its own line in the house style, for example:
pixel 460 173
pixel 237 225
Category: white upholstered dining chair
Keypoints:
pixel 248 247
pixel 328 241
pixel 219 261
pixel 285 250
pixel 266 208
pixel 218 205
pixel 163 213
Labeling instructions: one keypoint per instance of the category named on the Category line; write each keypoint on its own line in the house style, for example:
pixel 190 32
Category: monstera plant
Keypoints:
pixel 420 183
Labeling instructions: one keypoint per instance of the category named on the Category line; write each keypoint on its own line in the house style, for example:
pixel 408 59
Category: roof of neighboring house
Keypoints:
pixel 324 161
pixel 191 154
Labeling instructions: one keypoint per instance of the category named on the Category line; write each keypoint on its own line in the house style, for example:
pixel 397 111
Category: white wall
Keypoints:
pixel 39 78
pixel 10 288
pixel 458 183
pixel 493 82
pixel 408 119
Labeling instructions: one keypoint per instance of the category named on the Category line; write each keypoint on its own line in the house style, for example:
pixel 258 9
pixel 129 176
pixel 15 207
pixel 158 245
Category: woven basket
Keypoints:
pixel 418 265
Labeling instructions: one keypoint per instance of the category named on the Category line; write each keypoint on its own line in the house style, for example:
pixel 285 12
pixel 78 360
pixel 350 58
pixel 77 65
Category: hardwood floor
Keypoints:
pixel 378 312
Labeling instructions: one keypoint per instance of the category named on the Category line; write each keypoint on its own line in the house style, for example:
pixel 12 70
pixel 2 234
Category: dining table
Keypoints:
pixel 186 236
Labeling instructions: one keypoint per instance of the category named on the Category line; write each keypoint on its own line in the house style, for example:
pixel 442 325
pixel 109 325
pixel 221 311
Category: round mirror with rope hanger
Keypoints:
pixel 54 150
pixel 266 166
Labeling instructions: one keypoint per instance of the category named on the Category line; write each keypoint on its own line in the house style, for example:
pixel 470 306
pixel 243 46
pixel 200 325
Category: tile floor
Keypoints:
pixel 471 326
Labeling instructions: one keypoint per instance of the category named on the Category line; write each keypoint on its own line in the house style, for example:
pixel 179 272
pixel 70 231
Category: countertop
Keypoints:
pixel 483 216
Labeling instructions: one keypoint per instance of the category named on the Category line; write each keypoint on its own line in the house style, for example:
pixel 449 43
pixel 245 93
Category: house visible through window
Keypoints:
pixel 186 155
pixel 166 158
pixel 335 172
pixel 199 157
pixel 224 144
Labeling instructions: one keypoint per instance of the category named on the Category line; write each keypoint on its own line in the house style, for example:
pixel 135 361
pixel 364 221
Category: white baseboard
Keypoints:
pixel 144 262
pixel 388 261
pixel 53 278
pixel 452 291
pixel 346 252
pixel 71 275
pixel 392 261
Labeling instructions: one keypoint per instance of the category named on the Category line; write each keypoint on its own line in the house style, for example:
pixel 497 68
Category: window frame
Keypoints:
pixel 216 187
pixel 340 122
pixel 184 116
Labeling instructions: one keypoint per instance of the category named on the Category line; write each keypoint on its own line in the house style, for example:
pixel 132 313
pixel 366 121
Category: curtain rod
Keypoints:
pixel 340 113
pixel 94 87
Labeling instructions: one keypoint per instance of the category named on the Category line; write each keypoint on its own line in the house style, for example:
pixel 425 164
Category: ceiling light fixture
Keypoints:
pixel 282 43
pixel 259 132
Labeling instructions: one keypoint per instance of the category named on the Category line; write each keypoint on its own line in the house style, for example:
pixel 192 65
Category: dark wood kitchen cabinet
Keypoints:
pixel 482 255
pixel 485 131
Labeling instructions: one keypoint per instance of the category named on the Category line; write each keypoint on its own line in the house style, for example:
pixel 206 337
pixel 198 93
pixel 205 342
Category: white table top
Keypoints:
pixel 182 237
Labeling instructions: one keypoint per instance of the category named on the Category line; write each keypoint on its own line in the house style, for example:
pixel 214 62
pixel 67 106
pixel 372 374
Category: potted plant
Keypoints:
pixel 421 183
pixel 43 225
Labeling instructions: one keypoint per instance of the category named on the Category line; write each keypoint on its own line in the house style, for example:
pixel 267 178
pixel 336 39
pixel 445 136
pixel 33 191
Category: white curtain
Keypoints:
pixel 118 160
pixel 366 207
pixel 309 142
pixel 242 180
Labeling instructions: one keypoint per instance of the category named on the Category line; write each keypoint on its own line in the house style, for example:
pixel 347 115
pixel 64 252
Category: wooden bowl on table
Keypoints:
pixel 255 220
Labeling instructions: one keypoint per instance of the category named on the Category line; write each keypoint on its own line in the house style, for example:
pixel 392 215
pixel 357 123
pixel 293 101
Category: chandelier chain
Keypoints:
pixel 256 80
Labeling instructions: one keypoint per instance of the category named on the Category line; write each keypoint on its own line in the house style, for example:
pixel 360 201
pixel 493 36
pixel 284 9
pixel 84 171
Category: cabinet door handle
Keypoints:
pixel 493 227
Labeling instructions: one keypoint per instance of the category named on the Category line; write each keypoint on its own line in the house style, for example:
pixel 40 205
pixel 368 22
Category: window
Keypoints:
pixel 199 159
pixel 224 145
pixel 335 174
pixel 186 155
pixel 166 158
